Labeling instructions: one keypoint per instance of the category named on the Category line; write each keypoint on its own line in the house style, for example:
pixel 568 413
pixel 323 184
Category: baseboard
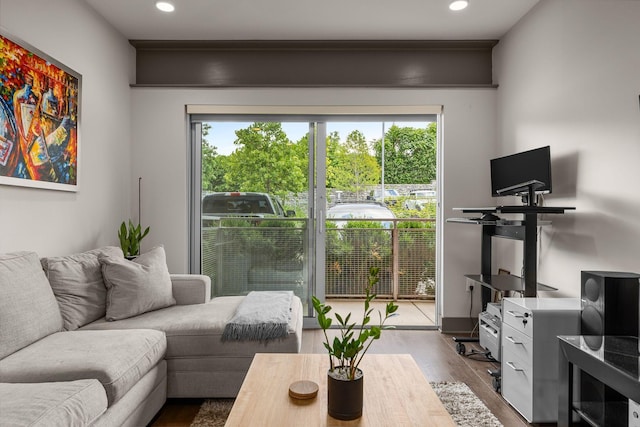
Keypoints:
pixel 457 325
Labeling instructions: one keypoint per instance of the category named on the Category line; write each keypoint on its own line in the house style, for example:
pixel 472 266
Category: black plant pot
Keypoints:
pixel 344 397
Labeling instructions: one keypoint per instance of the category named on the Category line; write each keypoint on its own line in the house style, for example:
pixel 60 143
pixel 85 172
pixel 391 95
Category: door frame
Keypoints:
pixel 315 115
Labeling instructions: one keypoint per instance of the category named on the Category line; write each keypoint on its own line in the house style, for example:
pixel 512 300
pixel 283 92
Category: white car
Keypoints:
pixel 361 210
pixel 390 196
pixel 419 198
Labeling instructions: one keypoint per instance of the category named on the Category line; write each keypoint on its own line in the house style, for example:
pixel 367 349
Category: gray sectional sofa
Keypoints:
pixel 95 339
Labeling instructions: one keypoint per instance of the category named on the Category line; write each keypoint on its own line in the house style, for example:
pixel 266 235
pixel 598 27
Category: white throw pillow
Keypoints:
pixel 137 286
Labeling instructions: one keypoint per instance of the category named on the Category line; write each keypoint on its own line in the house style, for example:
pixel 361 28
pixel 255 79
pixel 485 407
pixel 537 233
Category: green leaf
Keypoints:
pixel 325 323
pixel 391 308
pixel 130 236
pixel 348 349
pixel 375 332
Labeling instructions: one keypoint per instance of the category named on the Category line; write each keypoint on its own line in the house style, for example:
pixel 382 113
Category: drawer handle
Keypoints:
pixel 510 339
pixel 512 366
pixel 518 315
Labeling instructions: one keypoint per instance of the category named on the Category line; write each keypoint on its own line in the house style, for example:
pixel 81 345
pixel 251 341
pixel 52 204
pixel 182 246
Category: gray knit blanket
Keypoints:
pixel 261 316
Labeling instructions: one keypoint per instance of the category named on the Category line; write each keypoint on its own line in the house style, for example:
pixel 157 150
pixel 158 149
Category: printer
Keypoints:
pixel 490 324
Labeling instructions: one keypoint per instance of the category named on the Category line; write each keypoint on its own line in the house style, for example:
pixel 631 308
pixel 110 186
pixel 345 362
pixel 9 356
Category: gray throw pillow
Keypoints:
pixel 28 309
pixel 137 286
pixel 77 283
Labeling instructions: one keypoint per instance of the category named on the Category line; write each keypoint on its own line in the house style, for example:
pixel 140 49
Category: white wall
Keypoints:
pixel 160 157
pixel 55 222
pixel 567 74
pixel 569 77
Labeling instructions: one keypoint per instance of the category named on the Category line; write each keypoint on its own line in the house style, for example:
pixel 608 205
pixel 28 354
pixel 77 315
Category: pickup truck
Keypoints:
pixel 242 204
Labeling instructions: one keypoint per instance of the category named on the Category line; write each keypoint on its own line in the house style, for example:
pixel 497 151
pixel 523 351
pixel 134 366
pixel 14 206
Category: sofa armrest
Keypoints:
pixel 191 288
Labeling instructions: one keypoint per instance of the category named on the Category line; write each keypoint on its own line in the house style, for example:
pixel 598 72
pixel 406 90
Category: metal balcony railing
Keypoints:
pixel 245 254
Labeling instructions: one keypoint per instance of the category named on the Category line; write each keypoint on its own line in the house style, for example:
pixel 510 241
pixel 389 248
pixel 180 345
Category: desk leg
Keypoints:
pixel 485 295
pixel 565 389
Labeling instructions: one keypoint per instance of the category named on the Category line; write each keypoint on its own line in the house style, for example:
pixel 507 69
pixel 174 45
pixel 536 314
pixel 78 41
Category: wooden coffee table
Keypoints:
pixel 396 393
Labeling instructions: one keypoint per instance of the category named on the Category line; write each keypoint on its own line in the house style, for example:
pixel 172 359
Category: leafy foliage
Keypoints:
pixel 213 165
pixel 130 238
pixel 347 350
pixel 266 161
pixel 409 154
pixel 351 167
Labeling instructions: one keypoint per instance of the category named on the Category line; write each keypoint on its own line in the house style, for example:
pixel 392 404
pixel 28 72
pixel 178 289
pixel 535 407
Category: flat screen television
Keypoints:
pixel 527 172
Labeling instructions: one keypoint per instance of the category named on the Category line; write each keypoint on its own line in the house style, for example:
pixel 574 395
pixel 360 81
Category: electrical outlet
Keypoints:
pixel 469 287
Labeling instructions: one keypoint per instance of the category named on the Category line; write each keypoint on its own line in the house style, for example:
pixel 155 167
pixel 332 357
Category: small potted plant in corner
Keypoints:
pixel 130 238
pixel 345 378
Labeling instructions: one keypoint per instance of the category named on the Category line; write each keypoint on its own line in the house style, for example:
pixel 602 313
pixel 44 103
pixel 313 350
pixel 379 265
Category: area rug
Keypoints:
pixel 463 405
pixel 213 413
pixel 466 409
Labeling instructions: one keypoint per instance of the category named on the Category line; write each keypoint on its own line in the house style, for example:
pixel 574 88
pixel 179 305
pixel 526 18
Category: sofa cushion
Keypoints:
pixel 57 404
pixel 118 359
pixel 28 309
pixel 77 283
pixel 195 331
pixel 137 286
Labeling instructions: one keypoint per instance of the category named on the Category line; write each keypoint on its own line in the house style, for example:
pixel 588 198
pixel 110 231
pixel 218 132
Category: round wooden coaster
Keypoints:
pixel 303 390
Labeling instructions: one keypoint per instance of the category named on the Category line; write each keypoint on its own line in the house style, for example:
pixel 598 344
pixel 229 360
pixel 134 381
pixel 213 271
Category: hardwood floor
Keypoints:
pixel 433 351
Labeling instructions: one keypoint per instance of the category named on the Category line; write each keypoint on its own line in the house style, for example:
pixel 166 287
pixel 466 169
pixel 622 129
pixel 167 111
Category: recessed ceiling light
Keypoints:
pixel 458 4
pixel 165 6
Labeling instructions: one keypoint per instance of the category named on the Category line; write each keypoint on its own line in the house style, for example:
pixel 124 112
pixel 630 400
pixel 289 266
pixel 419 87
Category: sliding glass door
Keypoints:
pixel 308 204
pixel 251 214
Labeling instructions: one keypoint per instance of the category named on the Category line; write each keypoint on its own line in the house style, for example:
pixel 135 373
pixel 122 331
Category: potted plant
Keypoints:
pixel 130 238
pixel 344 377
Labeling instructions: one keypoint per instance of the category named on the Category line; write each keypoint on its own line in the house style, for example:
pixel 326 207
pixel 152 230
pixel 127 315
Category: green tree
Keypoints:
pixel 409 154
pixel 212 164
pixel 266 161
pixel 335 152
pixel 353 168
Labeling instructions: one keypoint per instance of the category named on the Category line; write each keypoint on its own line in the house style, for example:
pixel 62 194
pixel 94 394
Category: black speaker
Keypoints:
pixel 610 305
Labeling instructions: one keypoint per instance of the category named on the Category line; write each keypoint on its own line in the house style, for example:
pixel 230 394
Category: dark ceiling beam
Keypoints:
pixel 412 64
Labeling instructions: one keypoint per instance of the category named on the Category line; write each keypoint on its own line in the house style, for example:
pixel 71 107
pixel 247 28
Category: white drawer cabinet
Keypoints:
pixel 530 327
pixel 634 413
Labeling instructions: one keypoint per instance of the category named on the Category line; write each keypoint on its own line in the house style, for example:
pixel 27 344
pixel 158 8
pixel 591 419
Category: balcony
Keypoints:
pixel 245 254
pixel 411 314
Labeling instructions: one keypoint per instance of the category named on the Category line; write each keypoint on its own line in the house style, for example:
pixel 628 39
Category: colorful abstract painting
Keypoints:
pixel 38 119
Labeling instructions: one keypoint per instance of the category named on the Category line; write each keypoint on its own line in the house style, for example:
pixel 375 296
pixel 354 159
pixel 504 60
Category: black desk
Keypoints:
pixel 616 363
pixel 525 231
